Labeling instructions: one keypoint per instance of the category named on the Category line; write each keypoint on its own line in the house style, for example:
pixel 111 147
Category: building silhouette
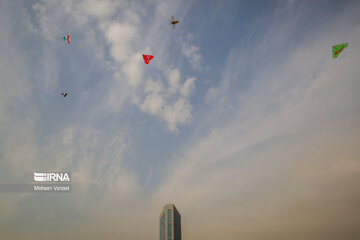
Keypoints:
pixel 170 223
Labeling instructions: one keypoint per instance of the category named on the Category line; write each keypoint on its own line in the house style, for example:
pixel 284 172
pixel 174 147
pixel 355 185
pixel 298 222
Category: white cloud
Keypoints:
pixel 152 86
pixel 188 87
pixel 153 104
pixel 119 37
pixel 171 103
pixel 174 80
pixel 133 69
pixel 210 94
pixel 177 113
pixel 100 8
pixel 192 53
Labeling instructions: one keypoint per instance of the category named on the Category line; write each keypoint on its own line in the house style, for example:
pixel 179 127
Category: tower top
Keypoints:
pixel 169 205
pixel 170 223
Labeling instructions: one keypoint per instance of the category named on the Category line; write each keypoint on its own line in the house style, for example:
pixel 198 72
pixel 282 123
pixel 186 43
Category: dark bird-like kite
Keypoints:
pixel 64 94
pixel 174 21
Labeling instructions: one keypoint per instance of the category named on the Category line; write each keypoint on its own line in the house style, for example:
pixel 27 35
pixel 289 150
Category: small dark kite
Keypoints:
pixel 174 21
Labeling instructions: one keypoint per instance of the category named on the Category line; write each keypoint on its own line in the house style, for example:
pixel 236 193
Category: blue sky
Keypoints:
pixel 243 118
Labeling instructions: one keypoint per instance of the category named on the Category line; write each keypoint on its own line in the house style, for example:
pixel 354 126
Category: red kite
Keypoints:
pixel 147 58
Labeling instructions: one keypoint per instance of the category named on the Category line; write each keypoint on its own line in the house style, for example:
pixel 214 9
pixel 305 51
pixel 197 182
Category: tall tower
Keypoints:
pixel 170 223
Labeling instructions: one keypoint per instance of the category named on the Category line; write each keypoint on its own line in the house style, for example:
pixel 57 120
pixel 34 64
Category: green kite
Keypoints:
pixel 337 49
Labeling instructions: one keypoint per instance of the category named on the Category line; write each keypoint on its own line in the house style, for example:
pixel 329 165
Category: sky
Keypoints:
pixel 242 119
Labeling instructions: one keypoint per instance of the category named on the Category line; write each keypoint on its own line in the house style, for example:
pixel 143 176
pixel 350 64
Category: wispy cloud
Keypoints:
pixel 192 53
pixel 251 167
